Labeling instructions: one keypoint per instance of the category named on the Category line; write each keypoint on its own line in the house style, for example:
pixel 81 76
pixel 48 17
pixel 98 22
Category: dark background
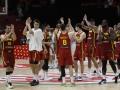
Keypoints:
pixel 75 9
pixel 49 13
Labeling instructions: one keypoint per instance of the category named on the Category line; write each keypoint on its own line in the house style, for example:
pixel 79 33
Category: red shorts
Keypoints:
pixel 91 51
pixel 79 54
pixel 65 57
pixel 8 58
pixel 47 55
pixel 107 51
pixel 35 56
pixel 99 50
pixel 117 51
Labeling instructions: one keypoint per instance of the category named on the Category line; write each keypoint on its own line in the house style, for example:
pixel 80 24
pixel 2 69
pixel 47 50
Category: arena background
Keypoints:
pixel 49 11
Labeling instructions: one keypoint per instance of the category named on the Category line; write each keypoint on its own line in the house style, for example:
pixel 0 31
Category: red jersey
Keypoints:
pixel 80 48
pixel 80 45
pixel 91 38
pixel 8 44
pixel 64 41
pixel 65 57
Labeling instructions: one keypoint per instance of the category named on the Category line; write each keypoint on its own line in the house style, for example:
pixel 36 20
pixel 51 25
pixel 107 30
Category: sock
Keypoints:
pixel 72 79
pixel 35 77
pixel 103 76
pixel 8 78
pixel 45 74
pixel 76 74
pixel 98 71
pixel 63 80
pixel 89 70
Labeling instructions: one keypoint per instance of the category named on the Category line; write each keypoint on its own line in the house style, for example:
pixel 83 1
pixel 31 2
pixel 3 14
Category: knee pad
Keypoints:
pixel 63 71
pixel 9 72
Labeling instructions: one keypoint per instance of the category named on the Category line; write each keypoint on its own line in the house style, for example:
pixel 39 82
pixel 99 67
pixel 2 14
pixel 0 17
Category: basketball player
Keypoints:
pixel 7 40
pixel 35 37
pixel 91 44
pixel 47 42
pixel 107 50
pixel 56 32
pixel 117 46
pixel 65 57
pixel 79 52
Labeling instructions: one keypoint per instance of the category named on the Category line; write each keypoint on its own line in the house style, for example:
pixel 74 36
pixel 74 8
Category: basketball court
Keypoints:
pixel 22 76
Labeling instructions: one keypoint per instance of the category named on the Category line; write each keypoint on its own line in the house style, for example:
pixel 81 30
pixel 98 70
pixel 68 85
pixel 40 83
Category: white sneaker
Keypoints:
pixel 9 85
pixel 78 78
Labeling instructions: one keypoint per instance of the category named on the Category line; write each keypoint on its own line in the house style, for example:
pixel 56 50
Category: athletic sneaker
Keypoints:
pixel 103 81
pixel 78 78
pixel 9 85
pixel 34 83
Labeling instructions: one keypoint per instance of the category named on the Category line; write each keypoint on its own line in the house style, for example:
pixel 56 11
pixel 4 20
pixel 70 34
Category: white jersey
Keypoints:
pixel 35 40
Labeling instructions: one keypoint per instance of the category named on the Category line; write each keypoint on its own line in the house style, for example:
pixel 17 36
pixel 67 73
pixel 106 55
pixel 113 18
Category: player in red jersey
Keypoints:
pixel 8 52
pixel 46 56
pixel 117 46
pixel 91 44
pixel 79 52
pixel 65 57
pixel 108 35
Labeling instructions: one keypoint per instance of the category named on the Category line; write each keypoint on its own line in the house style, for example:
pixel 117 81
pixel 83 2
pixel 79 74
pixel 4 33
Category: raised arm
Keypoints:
pixel 70 25
pixel 13 32
pixel 27 26
pixel 86 20
pixel 84 26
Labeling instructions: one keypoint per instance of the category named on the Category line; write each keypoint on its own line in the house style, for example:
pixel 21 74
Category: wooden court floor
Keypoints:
pixel 26 86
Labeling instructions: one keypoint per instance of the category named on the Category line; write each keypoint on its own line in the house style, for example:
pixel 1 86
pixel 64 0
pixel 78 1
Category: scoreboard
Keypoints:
pixel 3 7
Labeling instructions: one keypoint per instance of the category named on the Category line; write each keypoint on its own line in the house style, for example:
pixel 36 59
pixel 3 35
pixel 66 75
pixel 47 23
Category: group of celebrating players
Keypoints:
pixel 71 45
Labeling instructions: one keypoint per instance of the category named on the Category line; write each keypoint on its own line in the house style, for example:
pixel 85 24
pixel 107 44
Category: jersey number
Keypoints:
pixel 64 42
pixel 9 43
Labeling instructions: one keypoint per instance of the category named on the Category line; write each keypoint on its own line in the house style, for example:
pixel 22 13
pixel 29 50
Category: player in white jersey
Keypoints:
pixel 35 40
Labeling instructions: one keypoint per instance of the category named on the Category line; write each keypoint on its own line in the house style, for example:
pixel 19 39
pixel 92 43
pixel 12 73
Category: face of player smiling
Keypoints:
pixel 36 25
